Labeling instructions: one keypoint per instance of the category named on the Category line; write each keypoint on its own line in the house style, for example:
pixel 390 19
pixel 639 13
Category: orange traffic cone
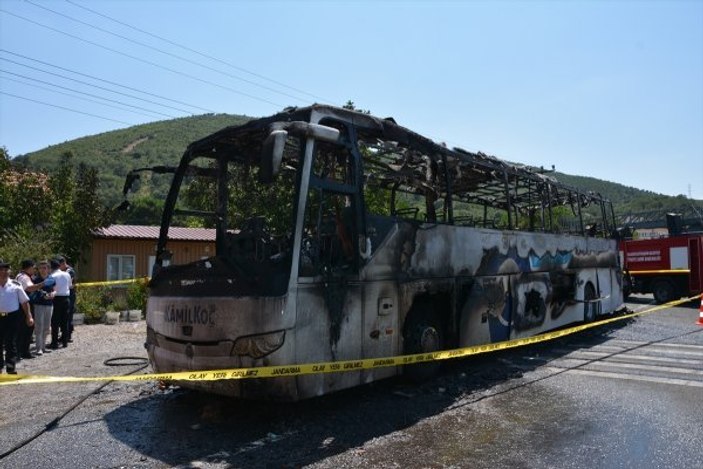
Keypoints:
pixel 700 314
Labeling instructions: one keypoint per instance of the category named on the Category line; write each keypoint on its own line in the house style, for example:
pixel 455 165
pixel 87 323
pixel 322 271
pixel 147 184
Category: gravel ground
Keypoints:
pixel 91 346
pixel 36 405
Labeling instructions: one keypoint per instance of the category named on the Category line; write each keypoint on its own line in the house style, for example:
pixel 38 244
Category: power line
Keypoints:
pixel 75 96
pixel 152 113
pixel 192 77
pixel 66 108
pixel 161 51
pixel 210 57
pixel 91 84
pixel 113 83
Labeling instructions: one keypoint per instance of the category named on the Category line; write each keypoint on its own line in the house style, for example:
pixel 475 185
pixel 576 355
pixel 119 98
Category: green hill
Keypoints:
pixel 162 143
pixel 629 199
pixel 116 153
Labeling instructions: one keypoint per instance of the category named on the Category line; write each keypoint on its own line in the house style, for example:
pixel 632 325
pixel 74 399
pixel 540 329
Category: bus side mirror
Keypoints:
pixel 271 155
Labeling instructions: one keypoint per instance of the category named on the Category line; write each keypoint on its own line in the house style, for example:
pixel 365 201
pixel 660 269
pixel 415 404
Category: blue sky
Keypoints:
pixel 612 90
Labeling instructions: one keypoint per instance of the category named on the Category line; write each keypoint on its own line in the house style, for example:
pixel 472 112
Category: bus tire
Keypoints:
pixel 423 335
pixel 626 287
pixel 589 307
pixel 663 290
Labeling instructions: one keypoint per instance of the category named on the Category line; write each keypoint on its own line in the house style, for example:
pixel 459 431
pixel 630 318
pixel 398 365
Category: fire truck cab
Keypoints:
pixel 669 267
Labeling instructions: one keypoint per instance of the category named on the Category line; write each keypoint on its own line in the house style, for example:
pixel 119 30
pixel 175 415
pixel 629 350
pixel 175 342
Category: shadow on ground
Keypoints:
pixel 188 428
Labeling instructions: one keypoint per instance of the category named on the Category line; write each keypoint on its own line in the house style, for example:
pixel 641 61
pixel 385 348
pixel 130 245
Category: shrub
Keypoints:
pixel 92 302
pixel 119 303
pixel 137 294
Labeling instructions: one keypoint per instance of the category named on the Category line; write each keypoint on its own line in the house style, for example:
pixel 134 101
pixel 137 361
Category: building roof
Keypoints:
pixel 175 233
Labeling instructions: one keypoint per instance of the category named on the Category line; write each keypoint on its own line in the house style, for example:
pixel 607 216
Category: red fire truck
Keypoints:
pixel 669 267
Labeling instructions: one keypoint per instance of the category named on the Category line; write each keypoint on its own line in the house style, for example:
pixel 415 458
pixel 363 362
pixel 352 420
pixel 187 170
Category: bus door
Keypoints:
pixel 329 306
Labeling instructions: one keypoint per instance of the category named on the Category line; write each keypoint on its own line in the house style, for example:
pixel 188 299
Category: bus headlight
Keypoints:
pixel 257 346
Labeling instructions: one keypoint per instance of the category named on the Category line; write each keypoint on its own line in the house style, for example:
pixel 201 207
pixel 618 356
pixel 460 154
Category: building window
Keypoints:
pixel 120 267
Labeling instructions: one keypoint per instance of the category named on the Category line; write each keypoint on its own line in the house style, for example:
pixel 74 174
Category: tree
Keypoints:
pixel 352 107
pixel 248 198
pixel 4 159
pixel 143 210
pixel 77 209
pixel 23 213
pixel 4 189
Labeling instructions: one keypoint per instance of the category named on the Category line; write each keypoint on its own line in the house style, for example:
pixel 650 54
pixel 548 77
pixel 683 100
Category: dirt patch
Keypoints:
pixel 133 145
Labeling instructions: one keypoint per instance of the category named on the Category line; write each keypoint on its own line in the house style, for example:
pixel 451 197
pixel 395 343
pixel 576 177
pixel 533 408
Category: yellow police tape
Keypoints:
pixel 113 282
pixel 333 367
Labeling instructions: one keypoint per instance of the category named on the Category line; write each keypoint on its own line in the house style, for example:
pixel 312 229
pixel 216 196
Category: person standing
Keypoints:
pixel 24 332
pixel 66 267
pixel 43 304
pixel 13 299
pixel 59 319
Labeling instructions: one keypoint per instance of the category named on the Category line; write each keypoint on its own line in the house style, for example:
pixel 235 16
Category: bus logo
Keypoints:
pixel 191 315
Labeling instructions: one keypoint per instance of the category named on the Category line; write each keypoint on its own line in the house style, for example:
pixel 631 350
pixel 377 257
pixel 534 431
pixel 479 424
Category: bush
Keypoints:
pixel 93 302
pixel 137 294
pixel 23 243
pixel 119 303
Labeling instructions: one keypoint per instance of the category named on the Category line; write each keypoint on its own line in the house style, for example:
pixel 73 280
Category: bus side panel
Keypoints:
pixel 381 334
pixel 532 299
pixel 609 287
pixel 609 290
pixel 485 314
pixel 450 251
pixel 328 328
pixel 546 300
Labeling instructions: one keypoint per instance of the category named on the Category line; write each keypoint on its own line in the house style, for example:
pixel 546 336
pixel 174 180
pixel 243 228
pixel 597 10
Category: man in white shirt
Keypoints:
pixel 59 319
pixel 13 299
pixel 64 265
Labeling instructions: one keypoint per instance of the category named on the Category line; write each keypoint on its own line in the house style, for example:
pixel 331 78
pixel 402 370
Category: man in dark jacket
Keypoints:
pixel 24 331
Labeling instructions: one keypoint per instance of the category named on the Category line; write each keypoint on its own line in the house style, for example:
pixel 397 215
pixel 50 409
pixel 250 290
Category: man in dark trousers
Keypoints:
pixel 59 319
pixel 66 267
pixel 13 303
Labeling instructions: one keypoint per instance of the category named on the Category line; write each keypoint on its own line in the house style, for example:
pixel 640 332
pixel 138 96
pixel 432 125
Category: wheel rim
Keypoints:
pixel 662 292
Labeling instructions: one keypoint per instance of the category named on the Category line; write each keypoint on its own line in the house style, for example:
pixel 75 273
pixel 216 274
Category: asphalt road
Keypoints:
pixel 628 394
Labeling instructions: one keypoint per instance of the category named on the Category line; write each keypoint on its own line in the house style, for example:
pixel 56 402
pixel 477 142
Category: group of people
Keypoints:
pixel 38 302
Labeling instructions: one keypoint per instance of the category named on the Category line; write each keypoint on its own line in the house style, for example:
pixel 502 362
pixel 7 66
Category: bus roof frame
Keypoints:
pixel 477 176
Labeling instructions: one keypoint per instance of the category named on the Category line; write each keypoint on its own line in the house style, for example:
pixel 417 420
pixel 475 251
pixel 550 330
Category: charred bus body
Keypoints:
pixel 343 236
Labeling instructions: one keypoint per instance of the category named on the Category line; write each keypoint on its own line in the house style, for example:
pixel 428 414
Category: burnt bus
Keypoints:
pixel 342 236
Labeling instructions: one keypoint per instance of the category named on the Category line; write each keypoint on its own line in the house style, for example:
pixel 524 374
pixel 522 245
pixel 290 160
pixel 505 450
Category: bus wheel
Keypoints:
pixel 663 291
pixel 423 335
pixel 589 307
pixel 626 287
